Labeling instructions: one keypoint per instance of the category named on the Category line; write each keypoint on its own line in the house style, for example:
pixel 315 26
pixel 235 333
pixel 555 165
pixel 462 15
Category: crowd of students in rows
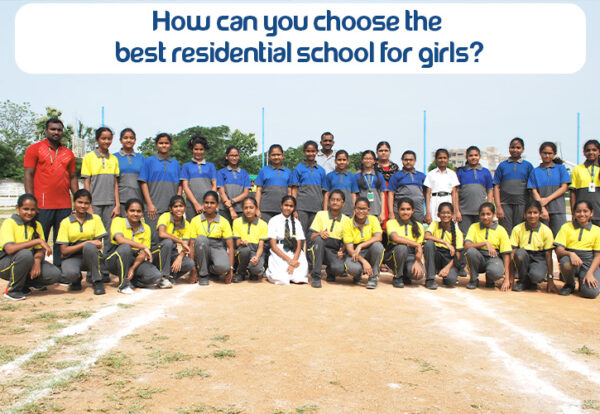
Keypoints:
pixel 131 220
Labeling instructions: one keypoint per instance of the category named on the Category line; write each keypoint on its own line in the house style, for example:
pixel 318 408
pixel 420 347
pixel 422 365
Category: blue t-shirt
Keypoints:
pixel 130 166
pixel 347 183
pixel 546 180
pixel 200 177
pixel 234 182
pixel 511 177
pixel 474 185
pixel 274 183
pixel 311 182
pixel 162 177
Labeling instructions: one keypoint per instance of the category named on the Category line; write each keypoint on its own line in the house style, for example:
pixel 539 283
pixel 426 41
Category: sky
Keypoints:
pixel 360 110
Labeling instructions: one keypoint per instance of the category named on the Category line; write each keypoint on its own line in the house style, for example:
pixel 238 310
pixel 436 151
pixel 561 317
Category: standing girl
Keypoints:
pixel 475 188
pixel 362 237
pixel 212 242
pixel 341 179
pixel 548 184
pixel 405 250
pixel 129 256
pixel 308 184
pixel 441 186
pixel 130 166
pixel 443 247
pixel 173 229
pixel 159 180
pixel 287 262
pixel 273 182
pixel 510 186
pixel 22 250
pixel 407 183
pixel 197 176
pixel 386 168
pixel 250 234
pixel 80 240
pixel 532 243
pixel 372 185
pixel 578 250
pixel 487 249
pixel 584 180
pixel 233 184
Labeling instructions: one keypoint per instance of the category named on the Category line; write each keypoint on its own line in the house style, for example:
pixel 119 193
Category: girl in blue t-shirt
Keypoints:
pixel 130 166
pixel 197 176
pixel 233 184
pixel 272 184
pixel 341 179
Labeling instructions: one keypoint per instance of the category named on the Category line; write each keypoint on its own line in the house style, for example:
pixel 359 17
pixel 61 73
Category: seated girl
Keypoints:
pixel 249 233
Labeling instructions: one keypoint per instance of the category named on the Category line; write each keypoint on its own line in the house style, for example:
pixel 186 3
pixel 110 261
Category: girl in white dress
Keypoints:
pixel 287 262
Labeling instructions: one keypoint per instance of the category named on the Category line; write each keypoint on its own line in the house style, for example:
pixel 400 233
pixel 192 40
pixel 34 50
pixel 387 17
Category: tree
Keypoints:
pixel 17 126
pixel 40 125
pixel 293 156
pixel 355 162
pixel 12 164
pixel 434 165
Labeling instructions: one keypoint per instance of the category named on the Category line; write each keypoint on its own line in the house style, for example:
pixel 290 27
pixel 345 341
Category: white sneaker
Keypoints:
pixel 126 290
pixel 165 284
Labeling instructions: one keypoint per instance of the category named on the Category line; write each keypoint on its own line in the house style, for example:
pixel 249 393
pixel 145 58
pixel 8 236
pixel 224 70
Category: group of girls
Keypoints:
pixel 351 223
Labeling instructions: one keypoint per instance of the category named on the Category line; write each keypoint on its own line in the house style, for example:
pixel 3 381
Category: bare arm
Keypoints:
pixel 295 191
pixel 74 183
pixel 572 199
pixel 29 173
pixel 428 214
pixel 189 194
pixel 258 197
pixel 117 210
pixel 390 201
pixel 66 250
pixel 325 200
pixel 87 183
pixel 146 193
pixel 490 195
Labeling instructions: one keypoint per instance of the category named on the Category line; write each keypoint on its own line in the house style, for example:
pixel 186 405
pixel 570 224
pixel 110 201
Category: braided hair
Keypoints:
pixel 293 242
pixel 416 232
pixel 452 225
pixel 32 223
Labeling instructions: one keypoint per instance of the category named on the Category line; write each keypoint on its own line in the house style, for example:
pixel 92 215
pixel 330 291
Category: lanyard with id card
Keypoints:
pixel 370 194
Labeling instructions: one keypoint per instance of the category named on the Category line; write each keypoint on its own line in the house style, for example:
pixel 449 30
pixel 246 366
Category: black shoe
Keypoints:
pixel 357 280
pixel 26 291
pixel 490 284
pixel 473 284
pixel 99 288
pixel 397 282
pixel 330 278
pixel 203 281
pixel 520 286
pixel 431 284
pixel 237 278
pixel 447 283
pixel 462 272
pixel 253 277
pixel 14 295
pixel 105 278
pixel 372 282
pixel 316 282
pixel 75 286
pixel 407 281
pixel 566 290
pixel 533 287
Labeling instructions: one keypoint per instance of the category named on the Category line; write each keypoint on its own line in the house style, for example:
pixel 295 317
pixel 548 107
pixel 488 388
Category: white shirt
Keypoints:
pixel 441 182
pixel 277 227
pixel 327 162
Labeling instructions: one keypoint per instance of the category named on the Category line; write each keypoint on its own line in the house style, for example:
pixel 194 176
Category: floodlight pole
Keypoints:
pixel 578 135
pixel 263 137
pixel 425 142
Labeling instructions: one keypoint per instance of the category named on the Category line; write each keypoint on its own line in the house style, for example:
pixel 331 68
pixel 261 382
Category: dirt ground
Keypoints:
pixel 258 348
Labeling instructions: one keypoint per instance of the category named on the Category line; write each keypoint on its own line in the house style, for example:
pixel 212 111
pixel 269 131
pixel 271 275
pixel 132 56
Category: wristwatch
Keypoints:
pixel 549 276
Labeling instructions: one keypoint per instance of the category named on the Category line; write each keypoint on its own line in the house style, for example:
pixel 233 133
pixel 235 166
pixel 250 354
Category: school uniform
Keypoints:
pixel 346 182
pixel 511 177
pixel 161 174
pixel 409 183
pixel 354 234
pixel 252 232
pixel 311 182
pixel 130 166
pixel 585 242
pixel 165 253
pixel 121 256
pixel 274 182
pixel 210 250
pixel 531 245
pixel 479 260
pixel 472 193
pixel 441 185
pixel 584 180
pixel 200 177
pixel 72 232
pixel 368 188
pixel 437 255
pixel 546 180
pixel 282 231
pixel 16 267
pixel 324 251
pixel 400 258
pixel 234 182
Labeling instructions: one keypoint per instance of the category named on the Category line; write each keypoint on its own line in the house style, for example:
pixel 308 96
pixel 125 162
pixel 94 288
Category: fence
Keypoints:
pixel 9 192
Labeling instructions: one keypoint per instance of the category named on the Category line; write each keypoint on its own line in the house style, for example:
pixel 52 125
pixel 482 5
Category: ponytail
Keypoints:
pixel 416 232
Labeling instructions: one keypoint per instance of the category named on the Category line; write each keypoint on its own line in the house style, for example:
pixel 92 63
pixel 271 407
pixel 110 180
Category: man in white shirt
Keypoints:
pixel 326 157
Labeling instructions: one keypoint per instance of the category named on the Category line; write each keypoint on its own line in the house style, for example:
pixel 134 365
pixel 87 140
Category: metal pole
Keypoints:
pixel 263 137
pixel 102 120
pixel 578 135
pixel 425 142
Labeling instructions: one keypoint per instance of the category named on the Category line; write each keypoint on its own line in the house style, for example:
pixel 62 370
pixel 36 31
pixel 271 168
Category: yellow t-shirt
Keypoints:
pixel 354 234
pixel 335 226
pixel 14 230
pixel 581 177
pixel 404 230
pixel 120 225
pixel 437 231
pixel 252 232
pixel 496 235
pixel 536 240
pixel 219 228
pixel 72 231
pixel 181 231
pixel 573 237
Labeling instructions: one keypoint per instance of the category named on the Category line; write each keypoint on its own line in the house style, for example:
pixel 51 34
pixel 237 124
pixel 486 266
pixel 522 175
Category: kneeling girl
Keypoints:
pixel 250 234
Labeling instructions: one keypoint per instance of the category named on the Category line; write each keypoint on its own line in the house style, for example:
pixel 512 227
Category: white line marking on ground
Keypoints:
pixel 103 345
pixel 395 386
pixel 530 382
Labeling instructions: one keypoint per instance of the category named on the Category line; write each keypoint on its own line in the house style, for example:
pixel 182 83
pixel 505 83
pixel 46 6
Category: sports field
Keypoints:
pixel 258 348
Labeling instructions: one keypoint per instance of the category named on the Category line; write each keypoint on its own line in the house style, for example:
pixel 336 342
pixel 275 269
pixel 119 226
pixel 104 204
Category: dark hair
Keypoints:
pixel 441 150
pixel 552 146
pixel 489 205
pixel 472 148
pixel 134 201
pixel 175 199
pixel 409 152
pixel 361 182
pixel 227 151
pixel 519 140
pixel 82 192
pixel 100 130
pixel 383 144
pixel 416 232
pixel 452 225
pixel 293 243
pixel 53 121
pixel 592 142
pixel 533 203
pixel 341 152
pixel 163 135
pixel 123 132
pixel 362 199
pixel 275 146
pixel 288 197
pixel 210 193
pixel 339 192
pixel 308 144
pixel 587 203
pixel 197 139
pixel 252 199
pixel 20 201
pixel 326 133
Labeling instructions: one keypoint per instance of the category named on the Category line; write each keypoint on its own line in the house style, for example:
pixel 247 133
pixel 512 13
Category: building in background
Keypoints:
pixel 490 157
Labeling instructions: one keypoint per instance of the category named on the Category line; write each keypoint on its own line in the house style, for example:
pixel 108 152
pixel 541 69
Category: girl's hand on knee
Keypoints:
pixel 590 280
pixel 368 269
pixel 417 270
pixel 575 260
pixel 506 285
pixel 254 261
pixel 491 250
